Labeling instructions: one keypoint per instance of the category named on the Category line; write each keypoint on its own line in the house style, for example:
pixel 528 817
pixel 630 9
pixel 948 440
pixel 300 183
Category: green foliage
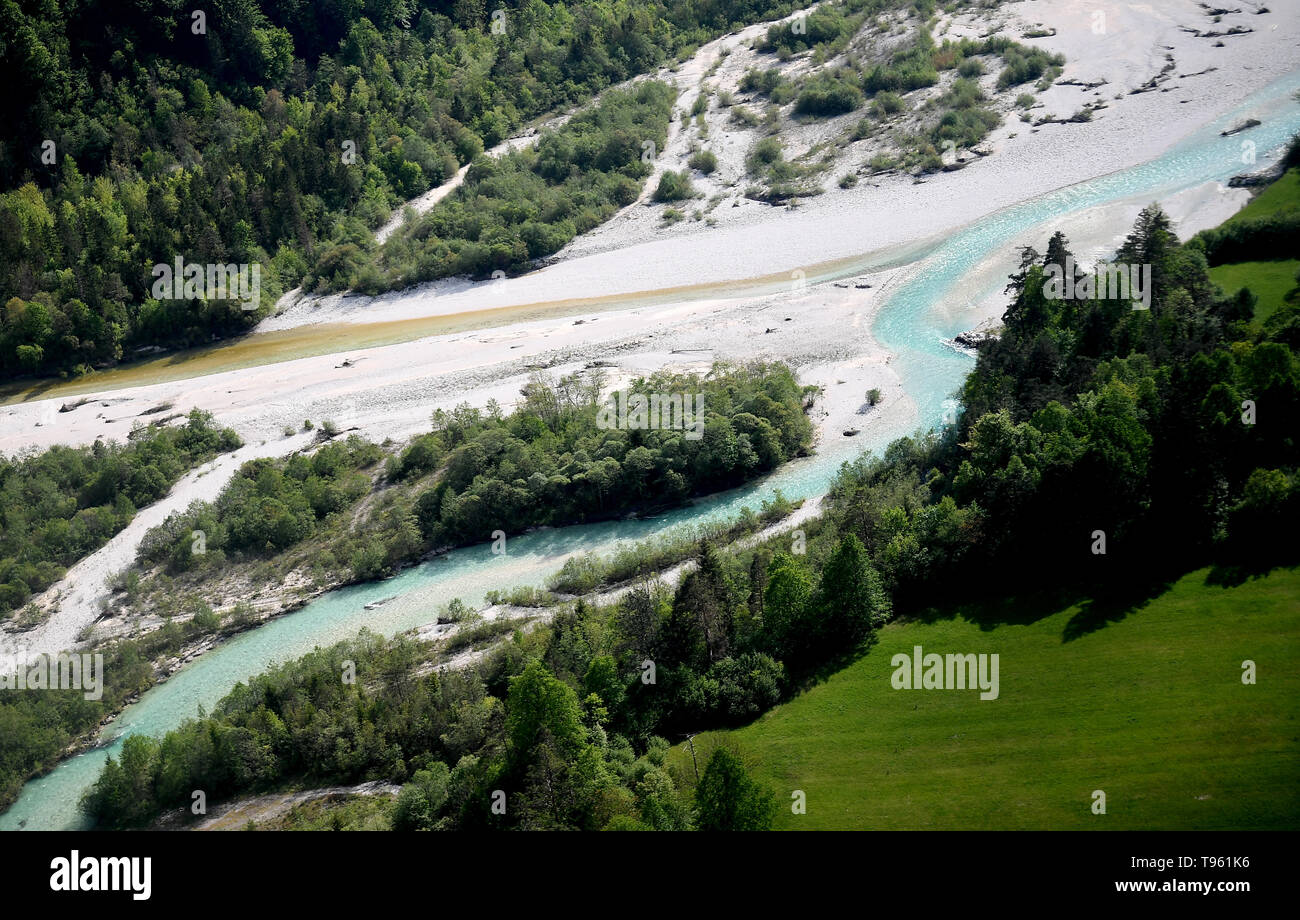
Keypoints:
pixel 267 507
pixel 552 462
pixel 1265 238
pixel 828 94
pixel 38 726
pixel 1025 63
pixel 61 505
pixel 727 799
pixel 282 137
pixel 421 799
pixel 887 103
pixel 675 186
pixel 582 574
pixel 911 67
pixel 764 155
pixel 768 83
pixel 530 203
pixel 703 160
pixel 829 27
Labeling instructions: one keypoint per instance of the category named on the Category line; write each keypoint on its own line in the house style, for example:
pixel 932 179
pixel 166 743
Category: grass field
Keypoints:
pixel 1144 702
pixel 1270 282
pixel 1279 198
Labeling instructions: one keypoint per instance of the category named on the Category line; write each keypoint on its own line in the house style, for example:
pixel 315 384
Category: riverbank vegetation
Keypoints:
pixel 592 572
pixel 918 101
pixel 59 506
pixel 1102 450
pixel 38 728
pixel 364 512
pixel 525 205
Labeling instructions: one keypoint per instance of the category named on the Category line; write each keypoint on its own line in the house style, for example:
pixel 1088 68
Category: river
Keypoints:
pixel 912 324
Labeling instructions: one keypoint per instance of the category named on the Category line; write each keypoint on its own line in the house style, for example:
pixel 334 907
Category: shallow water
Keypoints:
pixel 912 324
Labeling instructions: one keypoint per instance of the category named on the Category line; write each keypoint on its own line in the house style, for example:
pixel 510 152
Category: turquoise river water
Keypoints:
pixel 912 324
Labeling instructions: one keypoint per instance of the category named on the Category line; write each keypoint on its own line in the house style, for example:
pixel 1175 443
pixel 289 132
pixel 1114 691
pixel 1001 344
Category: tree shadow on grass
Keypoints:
pixel 1111 604
pixel 804 680
pixel 1236 573
pixel 991 612
pixel 1100 602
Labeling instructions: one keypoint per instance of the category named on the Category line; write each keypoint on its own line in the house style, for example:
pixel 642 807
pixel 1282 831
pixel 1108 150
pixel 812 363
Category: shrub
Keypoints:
pixel 887 103
pixel 674 186
pixel 828 95
pixel 763 154
pixel 704 161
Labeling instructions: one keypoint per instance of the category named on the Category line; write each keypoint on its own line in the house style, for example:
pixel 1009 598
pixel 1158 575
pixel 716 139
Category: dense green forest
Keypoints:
pixel 479 471
pixel 60 505
pixel 1168 430
pixel 282 133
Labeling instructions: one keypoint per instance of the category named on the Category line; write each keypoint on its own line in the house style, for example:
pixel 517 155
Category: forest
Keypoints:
pixel 282 133
pixel 1164 436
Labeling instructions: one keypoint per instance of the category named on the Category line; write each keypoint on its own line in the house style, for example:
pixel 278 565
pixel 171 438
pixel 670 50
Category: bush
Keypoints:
pixel 674 186
pixel 704 161
pixel 763 155
pixel 1276 236
pixel 1024 64
pixel 887 103
pixel 727 799
pixel 828 95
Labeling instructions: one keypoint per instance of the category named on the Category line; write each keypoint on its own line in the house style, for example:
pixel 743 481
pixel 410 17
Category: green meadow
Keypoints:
pixel 1280 197
pixel 1273 283
pixel 1142 699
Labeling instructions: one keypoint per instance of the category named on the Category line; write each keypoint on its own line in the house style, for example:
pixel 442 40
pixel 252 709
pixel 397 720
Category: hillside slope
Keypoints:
pixel 1149 707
